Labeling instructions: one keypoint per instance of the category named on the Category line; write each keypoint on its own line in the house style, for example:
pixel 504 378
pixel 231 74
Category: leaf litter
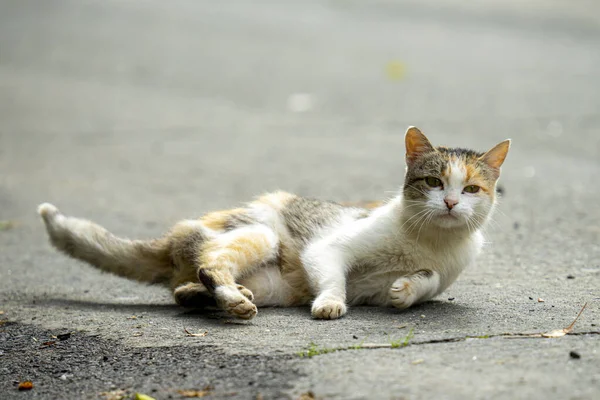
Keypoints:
pixel 562 332
pixel 117 394
pixel 196 393
pixel 26 385
pixel 199 334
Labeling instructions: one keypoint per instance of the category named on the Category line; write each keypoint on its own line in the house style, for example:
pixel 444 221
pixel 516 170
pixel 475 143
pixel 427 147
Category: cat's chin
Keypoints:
pixel 449 221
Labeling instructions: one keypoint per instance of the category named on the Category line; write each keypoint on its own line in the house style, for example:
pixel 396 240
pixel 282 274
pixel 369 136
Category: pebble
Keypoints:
pixel 575 355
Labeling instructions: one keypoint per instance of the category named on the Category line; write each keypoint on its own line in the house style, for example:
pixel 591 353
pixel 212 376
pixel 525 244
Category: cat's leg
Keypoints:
pixel 328 260
pixel 230 256
pixel 325 267
pixel 196 295
pixel 414 288
pixel 193 295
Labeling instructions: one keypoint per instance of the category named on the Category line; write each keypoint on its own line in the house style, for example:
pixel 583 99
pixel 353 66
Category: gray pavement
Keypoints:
pixel 137 114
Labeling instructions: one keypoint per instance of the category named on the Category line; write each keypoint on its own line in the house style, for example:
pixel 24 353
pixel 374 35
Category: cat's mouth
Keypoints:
pixel 449 218
pixel 449 215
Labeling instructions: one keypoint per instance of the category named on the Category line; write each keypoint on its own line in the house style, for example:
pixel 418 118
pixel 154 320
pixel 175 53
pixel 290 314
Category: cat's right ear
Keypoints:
pixel 417 144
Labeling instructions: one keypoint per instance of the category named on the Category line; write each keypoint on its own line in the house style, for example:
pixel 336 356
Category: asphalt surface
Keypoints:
pixel 137 114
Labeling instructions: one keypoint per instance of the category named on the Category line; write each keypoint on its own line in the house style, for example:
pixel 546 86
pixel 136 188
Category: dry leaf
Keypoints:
pixel 132 317
pixel 307 396
pixel 540 300
pixel 562 332
pixel 419 361
pixel 138 334
pixel 49 343
pixel 196 393
pixel 118 394
pixel 27 385
pixel 555 333
pixel 201 334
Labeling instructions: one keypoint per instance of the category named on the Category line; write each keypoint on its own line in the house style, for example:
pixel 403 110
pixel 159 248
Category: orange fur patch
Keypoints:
pixel 473 176
pixel 363 204
pixel 241 251
pixel 471 172
pixel 277 200
pixel 217 220
pixel 240 254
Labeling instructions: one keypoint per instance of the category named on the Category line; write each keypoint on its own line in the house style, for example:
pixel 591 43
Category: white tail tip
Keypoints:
pixel 47 210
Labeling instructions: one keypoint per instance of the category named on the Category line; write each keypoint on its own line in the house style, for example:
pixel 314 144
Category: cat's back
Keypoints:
pixel 304 217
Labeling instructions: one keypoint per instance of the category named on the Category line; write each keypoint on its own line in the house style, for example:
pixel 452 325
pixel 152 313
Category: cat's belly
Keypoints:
pixel 370 289
pixel 271 288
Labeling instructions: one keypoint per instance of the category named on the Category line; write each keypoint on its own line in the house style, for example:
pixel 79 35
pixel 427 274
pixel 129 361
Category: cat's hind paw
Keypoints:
pixel 234 302
pixel 327 308
pixel 246 292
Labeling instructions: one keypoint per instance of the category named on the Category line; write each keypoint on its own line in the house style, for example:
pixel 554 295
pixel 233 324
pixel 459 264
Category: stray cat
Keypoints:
pixel 286 250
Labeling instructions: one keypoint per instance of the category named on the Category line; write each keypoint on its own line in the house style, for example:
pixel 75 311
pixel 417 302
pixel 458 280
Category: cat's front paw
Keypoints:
pixel 235 302
pixel 403 294
pixel 328 308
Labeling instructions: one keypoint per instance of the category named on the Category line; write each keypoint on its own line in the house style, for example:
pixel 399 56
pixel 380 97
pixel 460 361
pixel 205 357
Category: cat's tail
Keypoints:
pixel 144 261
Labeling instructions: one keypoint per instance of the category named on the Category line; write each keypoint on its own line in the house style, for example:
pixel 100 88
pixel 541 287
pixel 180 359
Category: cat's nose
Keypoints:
pixel 450 202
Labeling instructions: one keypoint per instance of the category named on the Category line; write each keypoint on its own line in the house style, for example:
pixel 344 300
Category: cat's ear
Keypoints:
pixel 495 157
pixel 416 144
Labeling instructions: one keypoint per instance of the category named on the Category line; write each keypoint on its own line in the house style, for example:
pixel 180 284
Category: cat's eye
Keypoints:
pixel 433 181
pixel 471 189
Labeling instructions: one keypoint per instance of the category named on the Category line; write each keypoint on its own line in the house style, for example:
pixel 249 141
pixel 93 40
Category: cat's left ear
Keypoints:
pixel 495 157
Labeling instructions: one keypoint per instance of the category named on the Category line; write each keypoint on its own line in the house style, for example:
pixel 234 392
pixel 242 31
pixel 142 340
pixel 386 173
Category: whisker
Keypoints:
pixel 430 216
pixel 412 217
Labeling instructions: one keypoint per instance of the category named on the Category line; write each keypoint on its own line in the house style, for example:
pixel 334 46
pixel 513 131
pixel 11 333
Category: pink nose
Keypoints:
pixel 450 203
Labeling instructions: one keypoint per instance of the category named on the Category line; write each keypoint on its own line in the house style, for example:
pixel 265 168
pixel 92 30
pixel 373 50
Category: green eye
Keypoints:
pixel 433 181
pixel 471 189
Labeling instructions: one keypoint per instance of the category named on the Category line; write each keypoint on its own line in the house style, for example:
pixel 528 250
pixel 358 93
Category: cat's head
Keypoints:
pixel 449 187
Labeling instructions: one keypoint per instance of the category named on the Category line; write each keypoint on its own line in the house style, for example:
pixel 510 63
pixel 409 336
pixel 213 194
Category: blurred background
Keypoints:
pixel 119 107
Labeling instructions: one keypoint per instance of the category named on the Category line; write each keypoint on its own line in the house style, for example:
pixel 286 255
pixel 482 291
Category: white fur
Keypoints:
pixel 362 260
pixel 268 286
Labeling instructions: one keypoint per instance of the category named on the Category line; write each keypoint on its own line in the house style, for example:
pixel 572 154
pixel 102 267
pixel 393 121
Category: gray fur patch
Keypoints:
pixel 185 251
pixel 305 216
pixel 237 220
pixel 425 273
pixel 429 164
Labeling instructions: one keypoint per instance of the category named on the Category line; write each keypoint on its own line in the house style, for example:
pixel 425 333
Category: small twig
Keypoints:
pixel 570 327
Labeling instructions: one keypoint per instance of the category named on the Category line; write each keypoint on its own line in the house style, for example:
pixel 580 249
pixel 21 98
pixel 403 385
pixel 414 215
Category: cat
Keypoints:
pixel 287 250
